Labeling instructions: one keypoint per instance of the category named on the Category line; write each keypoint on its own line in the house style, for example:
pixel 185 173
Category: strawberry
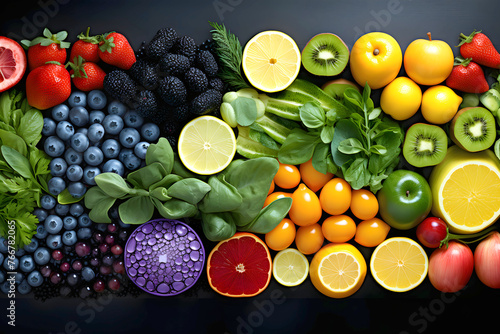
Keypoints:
pixel 467 76
pixel 480 48
pixel 87 47
pixel 49 47
pixel 114 49
pixel 86 75
pixel 48 85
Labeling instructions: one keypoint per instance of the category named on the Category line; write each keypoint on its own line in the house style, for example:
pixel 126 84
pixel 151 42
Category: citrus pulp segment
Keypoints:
pixel 290 267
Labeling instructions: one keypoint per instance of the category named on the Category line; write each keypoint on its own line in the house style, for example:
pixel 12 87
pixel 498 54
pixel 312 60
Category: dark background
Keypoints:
pixel 278 309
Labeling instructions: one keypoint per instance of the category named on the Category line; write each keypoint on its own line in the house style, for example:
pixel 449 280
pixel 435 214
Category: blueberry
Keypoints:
pixel 79 116
pixel 77 99
pixel 69 223
pixel 41 256
pixel 76 210
pixel 93 156
pixel 74 173
pixel 64 130
pixel 77 189
pixel 96 99
pixel 32 246
pixel 35 279
pixel 132 119
pixel 113 124
pixel 73 157
pixel 79 142
pixel 4 247
pixel 89 173
pixel 20 252
pixel 140 149
pixel 41 232
pixel 60 112
pixel 132 162
pixel 53 224
pixel 114 166
pixel 19 277
pixel 115 107
pixel 124 153
pixel 40 214
pixel 84 233
pixel 24 288
pixel 56 185
pixel 84 220
pixel 96 117
pixel 69 238
pixel 5 287
pixel 26 263
pixel 111 148
pixel 129 137
pixel 11 264
pixel 49 127
pixel 53 146
pixel 48 202
pixel 88 274
pixel 58 167
pixel 54 241
pixel 96 132
pixel 2 277
pixel 61 209
pixel 2 257
pixel 150 132
pixel 83 131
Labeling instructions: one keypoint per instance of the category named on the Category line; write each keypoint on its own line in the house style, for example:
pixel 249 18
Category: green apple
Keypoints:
pixel 405 199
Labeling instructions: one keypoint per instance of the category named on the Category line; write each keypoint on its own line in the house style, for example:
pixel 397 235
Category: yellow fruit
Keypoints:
pixel 440 104
pixel 305 209
pixel 466 190
pixel 206 145
pixel 399 264
pixel 271 61
pixel 376 59
pixel 290 267
pixel 428 62
pixel 309 239
pixel 338 270
pixel 401 98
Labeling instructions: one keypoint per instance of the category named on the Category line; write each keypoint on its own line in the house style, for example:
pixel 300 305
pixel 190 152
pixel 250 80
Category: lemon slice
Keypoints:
pixel 271 61
pixel 206 145
pixel 399 264
pixel 290 267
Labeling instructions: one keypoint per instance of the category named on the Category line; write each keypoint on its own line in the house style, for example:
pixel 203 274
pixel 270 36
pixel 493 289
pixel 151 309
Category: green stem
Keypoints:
pixel 460 237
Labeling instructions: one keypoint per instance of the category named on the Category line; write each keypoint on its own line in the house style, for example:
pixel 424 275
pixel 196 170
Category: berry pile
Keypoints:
pixel 172 81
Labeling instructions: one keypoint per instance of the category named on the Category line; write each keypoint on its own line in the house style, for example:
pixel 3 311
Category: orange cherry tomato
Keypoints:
pixel 371 232
pixel 364 204
pixel 341 228
pixel 335 197
pixel 274 196
pixel 287 176
pixel 305 209
pixel 309 239
pixel 312 178
pixel 271 187
pixel 281 236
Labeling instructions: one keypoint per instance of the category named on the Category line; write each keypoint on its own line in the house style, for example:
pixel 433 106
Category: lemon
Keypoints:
pixel 271 61
pixel 399 264
pixel 290 267
pixel 206 145
pixel 401 98
pixel 440 104
pixel 466 190
pixel 338 270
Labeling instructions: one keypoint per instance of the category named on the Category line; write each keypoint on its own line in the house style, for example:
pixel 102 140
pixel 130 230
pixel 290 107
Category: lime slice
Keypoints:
pixel 290 267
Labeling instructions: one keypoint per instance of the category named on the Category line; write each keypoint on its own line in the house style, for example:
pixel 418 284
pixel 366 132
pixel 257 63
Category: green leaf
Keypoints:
pixel 344 129
pixel 222 197
pixel 18 162
pixel 5 107
pixel 112 184
pixel 136 210
pixel 217 227
pixel 146 176
pixel 312 115
pixel 30 127
pixel 263 138
pixel 327 134
pixel 245 110
pixel 99 212
pixel 175 208
pixel 298 147
pixel 269 217
pixel 160 193
pixel 378 149
pixel 65 197
pixel 191 190
pixel 351 146
pixel 166 182
pixel 94 196
pixel 374 113
pixel 161 152
pixel 14 141
pixel 357 174
pixel 320 158
pixel 354 97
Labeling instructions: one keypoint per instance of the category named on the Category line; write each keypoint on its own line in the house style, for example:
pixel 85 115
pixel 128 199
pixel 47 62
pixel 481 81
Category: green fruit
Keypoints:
pixel 405 199
pixel 473 129
pixel 336 88
pixel 325 54
pixel 425 145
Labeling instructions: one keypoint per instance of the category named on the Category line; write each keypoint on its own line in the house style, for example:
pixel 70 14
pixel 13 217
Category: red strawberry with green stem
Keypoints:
pixel 87 47
pixel 114 49
pixel 480 48
pixel 467 76
pixel 49 47
pixel 86 76
pixel 48 85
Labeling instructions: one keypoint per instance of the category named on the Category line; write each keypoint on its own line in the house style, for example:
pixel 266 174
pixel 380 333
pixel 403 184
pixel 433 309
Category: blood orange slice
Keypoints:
pixel 12 63
pixel 239 266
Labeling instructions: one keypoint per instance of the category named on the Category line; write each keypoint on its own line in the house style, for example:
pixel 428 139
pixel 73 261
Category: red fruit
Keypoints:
pixel 49 47
pixel 86 75
pixel 47 86
pixel 467 76
pixel 12 63
pixel 480 48
pixel 87 47
pixel 115 50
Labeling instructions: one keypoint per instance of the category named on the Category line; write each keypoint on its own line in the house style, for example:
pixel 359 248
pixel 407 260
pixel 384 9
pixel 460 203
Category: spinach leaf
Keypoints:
pixel 18 162
pixel 298 147
pixel 191 190
pixel 146 176
pixel 161 152
pixel 136 210
pixel 312 115
pixel 217 227
pixel 112 184
pixel 269 217
pixel 222 196
pixel 175 208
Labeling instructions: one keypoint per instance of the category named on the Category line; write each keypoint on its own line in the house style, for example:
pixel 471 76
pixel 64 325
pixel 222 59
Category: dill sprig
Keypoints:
pixel 230 54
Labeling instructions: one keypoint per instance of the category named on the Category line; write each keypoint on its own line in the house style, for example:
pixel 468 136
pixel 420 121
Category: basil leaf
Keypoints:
pixel 374 113
pixel 319 158
pixel 351 146
pixel 217 227
pixel 354 97
pixel 161 152
pixel 112 184
pixel 99 213
pixel 312 115
pixel 175 208
pixel 269 217
pixel 30 127
pixel 160 193
pixel 327 134
pixel 357 174
pixel 298 147
pixel 14 141
pixel 378 149
pixel 93 196
pixel 146 176
pixel 18 162
pixel 136 210
pixel 245 110
pixel 166 182
pixel 65 197
pixel 190 190
pixel 344 129
pixel 222 197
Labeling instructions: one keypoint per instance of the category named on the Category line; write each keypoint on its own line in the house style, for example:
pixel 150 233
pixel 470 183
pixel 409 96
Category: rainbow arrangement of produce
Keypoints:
pixel 139 171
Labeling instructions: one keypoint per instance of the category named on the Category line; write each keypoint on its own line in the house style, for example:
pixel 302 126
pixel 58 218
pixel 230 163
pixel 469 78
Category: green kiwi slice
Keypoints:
pixel 325 54
pixel 473 129
pixel 425 145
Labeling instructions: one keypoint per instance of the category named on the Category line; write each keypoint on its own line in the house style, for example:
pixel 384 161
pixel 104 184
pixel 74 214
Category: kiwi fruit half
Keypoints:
pixel 473 129
pixel 325 54
pixel 335 88
pixel 425 145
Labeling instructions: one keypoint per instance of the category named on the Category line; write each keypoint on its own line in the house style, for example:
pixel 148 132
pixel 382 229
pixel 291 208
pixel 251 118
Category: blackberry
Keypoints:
pixel 217 84
pixel 185 46
pixel 147 103
pixel 173 64
pixel 206 62
pixel 173 141
pixel 172 90
pixel 161 43
pixel 120 86
pixel 206 102
pixel 207 45
pixel 141 51
pixel 181 114
pixel 145 73
pixel 195 80
pixel 170 128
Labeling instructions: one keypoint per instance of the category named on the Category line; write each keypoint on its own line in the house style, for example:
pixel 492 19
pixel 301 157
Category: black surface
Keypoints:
pixel 278 309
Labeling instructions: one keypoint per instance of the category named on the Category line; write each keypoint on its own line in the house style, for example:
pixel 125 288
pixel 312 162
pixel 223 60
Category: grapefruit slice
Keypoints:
pixel 12 63
pixel 239 266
